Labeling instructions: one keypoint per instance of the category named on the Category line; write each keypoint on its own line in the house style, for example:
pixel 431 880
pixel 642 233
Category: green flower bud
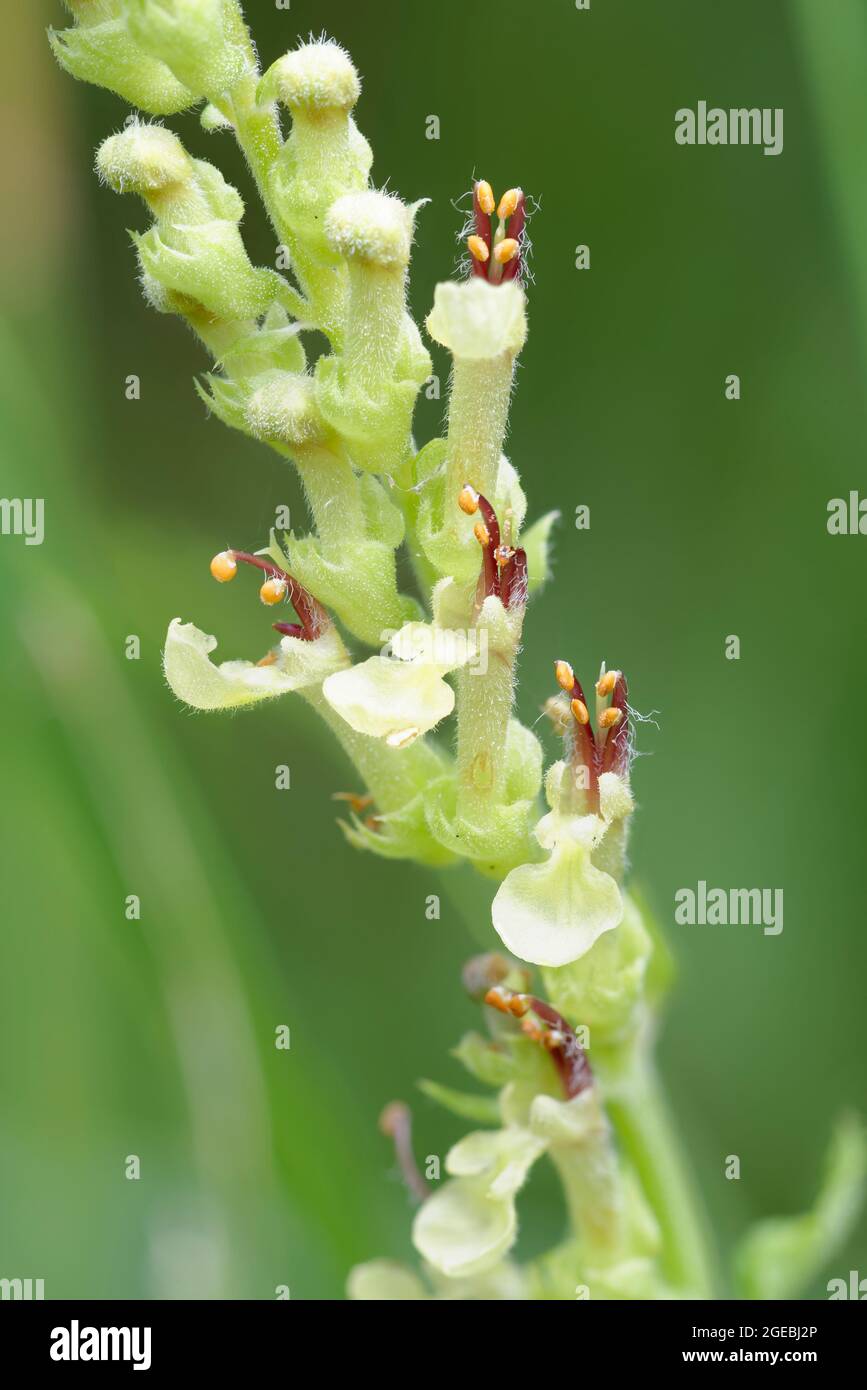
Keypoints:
pixel 194 249
pixel 282 409
pixel 204 42
pixel 373 228
pixel 100 49
pixel 323 157
pixel 368 390
pixel 145 159
pixel 315 79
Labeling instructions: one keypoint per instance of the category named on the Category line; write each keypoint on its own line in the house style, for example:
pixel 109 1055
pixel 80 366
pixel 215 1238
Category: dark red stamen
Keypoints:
pixel 313 617
pixel 615 755
pixel 515 229
pixel 585 750
pixel 558 1038
pixel 514 580
pixel 482 221
pixel 504 571
pixel 512 227
pixel 569 1056
pixel 489 516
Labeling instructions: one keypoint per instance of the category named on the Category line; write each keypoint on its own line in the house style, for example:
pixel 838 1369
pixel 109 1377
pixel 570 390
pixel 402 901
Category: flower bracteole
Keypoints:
pixel 344 422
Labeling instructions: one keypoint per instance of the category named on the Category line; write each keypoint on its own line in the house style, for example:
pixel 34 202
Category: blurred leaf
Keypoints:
pixel 780 1256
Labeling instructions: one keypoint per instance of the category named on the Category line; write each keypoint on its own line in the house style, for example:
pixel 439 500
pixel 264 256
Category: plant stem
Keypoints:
pixel 333 495
pixel 639 1112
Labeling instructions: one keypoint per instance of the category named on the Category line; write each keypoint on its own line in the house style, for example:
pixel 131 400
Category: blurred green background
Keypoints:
pixel 156 1038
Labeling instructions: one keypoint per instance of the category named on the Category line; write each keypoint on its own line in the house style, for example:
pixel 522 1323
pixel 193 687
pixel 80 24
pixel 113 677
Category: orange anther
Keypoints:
pixel 509 202
pixel 565 675
pixel 606 683
pixel 224 566
pixel 468 500
pixel 485 196
pixel 579 709
pixel 273 590
pixel 506 250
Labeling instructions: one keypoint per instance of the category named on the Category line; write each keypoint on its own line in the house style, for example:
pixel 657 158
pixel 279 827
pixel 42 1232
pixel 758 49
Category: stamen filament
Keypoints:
pixel 314 619
pixel 395 1123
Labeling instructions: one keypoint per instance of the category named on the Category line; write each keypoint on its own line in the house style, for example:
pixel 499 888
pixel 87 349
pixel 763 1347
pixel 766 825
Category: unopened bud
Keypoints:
pixel 373 227
pixel 317 77
pixel 143 159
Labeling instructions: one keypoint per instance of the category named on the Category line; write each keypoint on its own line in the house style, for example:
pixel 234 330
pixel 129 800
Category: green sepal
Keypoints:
pixel 508 840
pixel 399 834
pixel 273 345
pixel 384 521
pixel 360 587
pixel 226 399
pixel 536 541
pixel 209 263
pixel 204 42
pixel 212 119
pixel 482 1109
pixel 485 1061
pixel 524 758
pixel 377 430
pixel 105 54
pixel 494 849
